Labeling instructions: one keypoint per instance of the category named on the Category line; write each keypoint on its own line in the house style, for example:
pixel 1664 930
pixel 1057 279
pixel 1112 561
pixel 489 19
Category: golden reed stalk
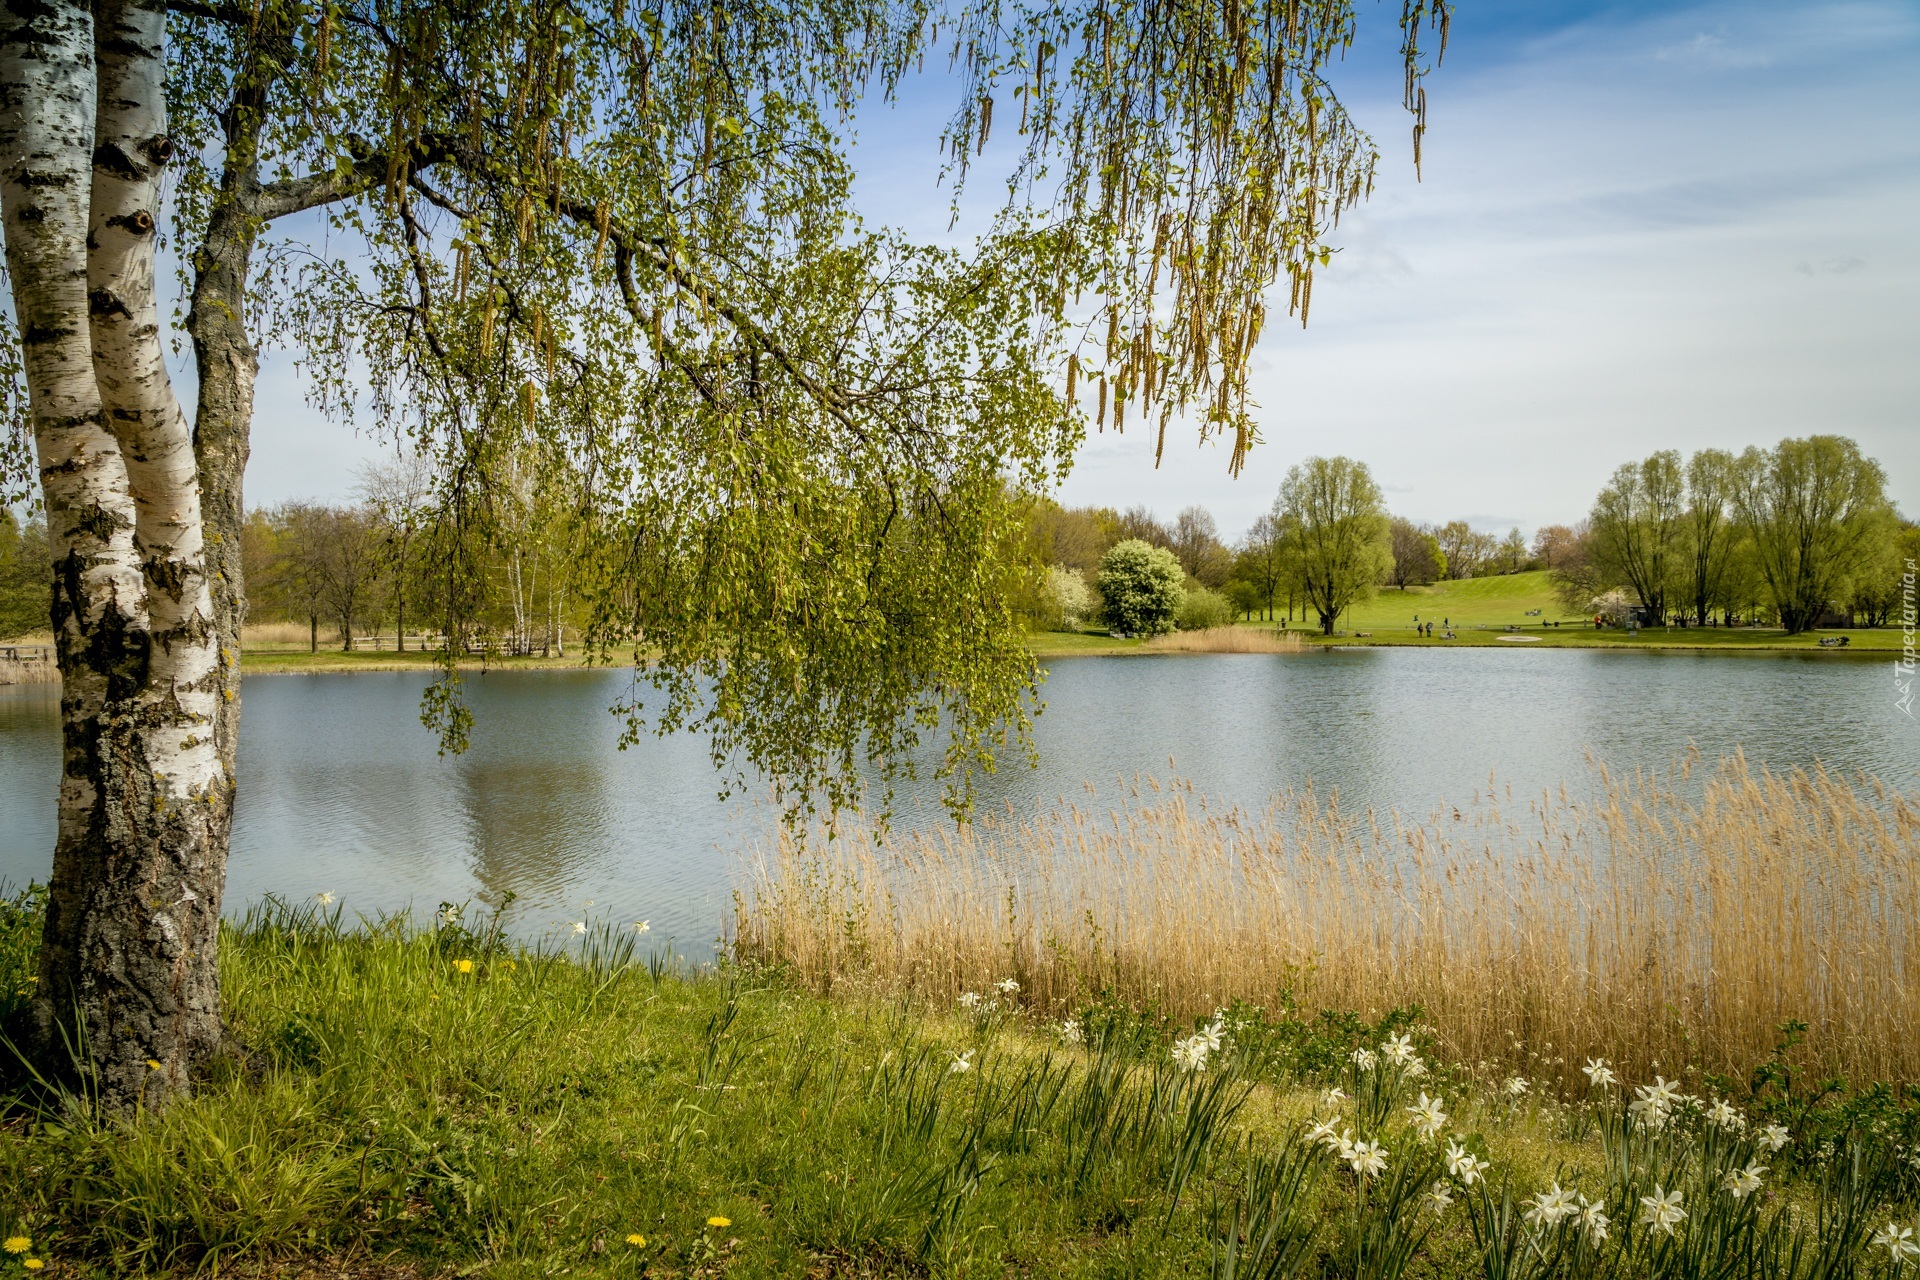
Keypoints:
pixel 1661 931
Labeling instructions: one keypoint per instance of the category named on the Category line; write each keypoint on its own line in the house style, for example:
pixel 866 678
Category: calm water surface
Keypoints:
pixel 342 790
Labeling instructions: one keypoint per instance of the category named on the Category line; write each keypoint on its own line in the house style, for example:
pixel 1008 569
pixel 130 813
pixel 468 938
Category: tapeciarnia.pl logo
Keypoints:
pixel 1903 665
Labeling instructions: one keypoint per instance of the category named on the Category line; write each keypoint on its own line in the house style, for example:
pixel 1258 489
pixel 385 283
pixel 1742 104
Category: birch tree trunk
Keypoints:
pixel 128 988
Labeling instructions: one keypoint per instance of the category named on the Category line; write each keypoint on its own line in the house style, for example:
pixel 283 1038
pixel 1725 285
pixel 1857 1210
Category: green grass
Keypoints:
pixel 1481 610
pixel 439 1102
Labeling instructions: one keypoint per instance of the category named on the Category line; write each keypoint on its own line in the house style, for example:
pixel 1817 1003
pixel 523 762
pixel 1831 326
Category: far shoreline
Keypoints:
pixel 1880 643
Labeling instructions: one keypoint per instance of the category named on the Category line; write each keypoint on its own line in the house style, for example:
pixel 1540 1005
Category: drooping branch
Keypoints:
pixel 369 170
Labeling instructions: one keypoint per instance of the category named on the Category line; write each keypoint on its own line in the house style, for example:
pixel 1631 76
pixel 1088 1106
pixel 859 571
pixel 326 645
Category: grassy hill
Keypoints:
pixel 1498 601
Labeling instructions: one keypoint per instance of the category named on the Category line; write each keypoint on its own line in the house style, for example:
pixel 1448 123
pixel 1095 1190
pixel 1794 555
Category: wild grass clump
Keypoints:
pixel 1675 928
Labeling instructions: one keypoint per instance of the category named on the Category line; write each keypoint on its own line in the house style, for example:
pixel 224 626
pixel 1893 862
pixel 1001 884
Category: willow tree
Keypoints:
pixel 1815 513
pixel 1639 528
pixel 614 242
pixel 1335 517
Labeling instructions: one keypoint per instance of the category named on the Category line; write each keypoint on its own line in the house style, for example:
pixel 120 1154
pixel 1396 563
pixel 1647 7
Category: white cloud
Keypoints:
pixel 1593 270
pixel 1712 49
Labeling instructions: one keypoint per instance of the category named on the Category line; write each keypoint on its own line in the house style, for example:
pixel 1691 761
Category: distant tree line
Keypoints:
pixel 26 576
pixel 1801 535
pixel 392 562
pixel 1798 535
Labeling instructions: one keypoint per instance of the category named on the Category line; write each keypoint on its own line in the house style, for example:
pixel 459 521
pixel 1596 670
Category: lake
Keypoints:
pixel 343 792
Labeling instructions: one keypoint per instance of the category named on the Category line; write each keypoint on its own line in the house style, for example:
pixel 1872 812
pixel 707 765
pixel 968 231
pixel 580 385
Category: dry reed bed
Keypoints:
pixel 13 671
pixel 1663 931
pixel 1226 640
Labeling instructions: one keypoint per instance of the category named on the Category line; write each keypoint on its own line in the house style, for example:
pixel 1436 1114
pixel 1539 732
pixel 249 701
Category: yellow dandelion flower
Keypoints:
pixel 152 1065
pixel 463 966
pixel 719 1222
pixel 636 1240
pixel 17 1244
pixel 33 1264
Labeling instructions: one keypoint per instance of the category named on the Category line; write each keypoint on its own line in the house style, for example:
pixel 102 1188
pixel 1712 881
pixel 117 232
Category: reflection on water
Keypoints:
pixel 342 789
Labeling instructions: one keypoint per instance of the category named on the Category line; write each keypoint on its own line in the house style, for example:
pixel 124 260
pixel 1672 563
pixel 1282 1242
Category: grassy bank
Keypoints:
pixel 405 1102
pixel 291 661
pixel 1499 612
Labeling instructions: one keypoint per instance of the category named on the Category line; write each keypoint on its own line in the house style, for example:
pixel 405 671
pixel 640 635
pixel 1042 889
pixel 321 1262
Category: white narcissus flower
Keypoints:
pixel 1323 1135
pixel 1398 1050
pixel 1743 1182
pixel 1661 1210
pixel 1464 1165
pixel 1070 1032
pixel 1213 1032
pixel 579 927
pixel 962 1063
pixel 1774 1137
pixel 1428 1118
pixel 1722 1113
pixel 324 899
pixel 1598 1073
pixel 1416 1070
pixel 643 926
pixel 1898 1242
pixel 1191 1054
pixel 1662 1092
pixel 969 1000
pixel 1655 1103
pixel 1333 1097
pixel 1008 986
pixel 1517 1086
pixel 1550 1208
pixel 1363 1059
pixel 1369 1159
pixel 1439 1196
pixel 1593 1220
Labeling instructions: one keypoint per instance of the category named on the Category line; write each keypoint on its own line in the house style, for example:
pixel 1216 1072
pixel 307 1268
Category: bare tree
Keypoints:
pixel 1513 551
pixel 1262 563
pixel 401 493
pixel 1138 522
pixel 1467 552
pixel 1554 545
pixel 1576 579
pixel 348 562
pixel 1196 541
pixel 1417 558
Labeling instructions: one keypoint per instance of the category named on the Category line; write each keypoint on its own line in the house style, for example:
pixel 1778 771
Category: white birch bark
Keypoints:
pixel 46 143
pixel 127 951
pixel 131 149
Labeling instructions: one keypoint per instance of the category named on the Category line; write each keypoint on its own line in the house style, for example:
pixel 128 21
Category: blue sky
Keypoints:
pixel 1640 227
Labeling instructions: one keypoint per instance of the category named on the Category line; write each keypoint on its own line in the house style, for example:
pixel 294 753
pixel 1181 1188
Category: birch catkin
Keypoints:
pixel 602 223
